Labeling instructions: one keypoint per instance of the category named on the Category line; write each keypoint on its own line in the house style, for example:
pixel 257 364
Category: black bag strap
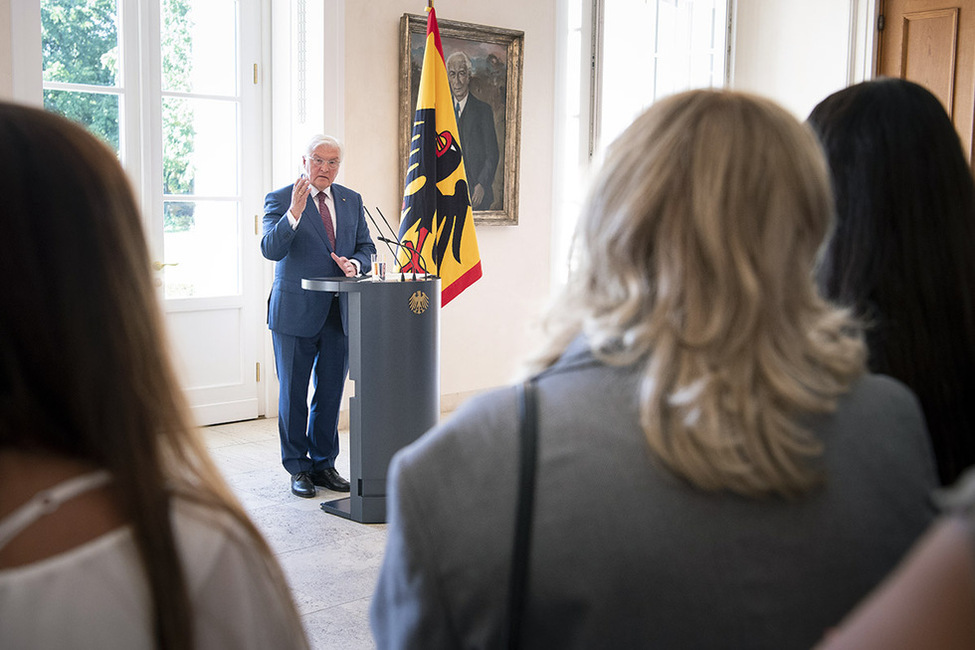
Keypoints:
pixel 517 585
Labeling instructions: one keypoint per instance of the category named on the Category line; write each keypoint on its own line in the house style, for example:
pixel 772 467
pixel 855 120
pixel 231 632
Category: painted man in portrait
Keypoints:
pixel 478 139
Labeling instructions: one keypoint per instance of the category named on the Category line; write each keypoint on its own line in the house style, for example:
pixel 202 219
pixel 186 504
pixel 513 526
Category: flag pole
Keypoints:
pixel 436 229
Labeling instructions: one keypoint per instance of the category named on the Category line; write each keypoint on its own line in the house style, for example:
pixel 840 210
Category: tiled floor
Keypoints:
pixel 331 563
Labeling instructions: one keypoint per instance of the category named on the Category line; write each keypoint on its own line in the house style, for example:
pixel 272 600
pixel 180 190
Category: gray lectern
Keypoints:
pixel 394 360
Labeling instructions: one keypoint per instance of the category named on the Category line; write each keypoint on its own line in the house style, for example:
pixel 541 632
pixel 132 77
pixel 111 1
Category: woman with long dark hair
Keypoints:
pixel 902 255
pixel 116 529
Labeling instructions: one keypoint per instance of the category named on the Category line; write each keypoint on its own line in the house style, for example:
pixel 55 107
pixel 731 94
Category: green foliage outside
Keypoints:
pixel 178 174
pixel 81 46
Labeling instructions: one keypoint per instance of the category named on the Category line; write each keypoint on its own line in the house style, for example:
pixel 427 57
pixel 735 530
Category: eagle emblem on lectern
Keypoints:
pixel 419 302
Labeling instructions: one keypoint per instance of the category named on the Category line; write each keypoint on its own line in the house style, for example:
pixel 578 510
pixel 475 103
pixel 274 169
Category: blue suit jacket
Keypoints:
pixel 304 252
pixel 479 142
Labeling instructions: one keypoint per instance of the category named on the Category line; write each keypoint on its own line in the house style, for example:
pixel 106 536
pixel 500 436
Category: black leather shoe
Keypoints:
pixel 329 478
pixel 302 485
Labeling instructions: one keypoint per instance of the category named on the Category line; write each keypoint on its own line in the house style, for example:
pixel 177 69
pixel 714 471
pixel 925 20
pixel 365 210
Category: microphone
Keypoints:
pixel 422 263
pixel 389 242
pixel 380 230
pixel 387 223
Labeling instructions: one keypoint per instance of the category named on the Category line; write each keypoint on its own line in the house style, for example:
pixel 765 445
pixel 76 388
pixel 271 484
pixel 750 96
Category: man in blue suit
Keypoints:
pixel 312 229
pixel 478 139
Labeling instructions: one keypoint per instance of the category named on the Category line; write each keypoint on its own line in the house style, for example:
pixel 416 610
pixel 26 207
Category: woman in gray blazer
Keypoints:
pixel 716 469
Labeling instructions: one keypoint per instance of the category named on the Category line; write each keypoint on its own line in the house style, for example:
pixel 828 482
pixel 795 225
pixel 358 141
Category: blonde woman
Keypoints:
pixel 715 467
pixel 116 530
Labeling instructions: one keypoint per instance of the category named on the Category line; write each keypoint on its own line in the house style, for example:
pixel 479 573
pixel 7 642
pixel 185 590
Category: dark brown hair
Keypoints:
pixel 902 252
pixel 84 366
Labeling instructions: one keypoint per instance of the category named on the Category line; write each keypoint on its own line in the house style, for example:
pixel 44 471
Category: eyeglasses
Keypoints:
pixel 318 162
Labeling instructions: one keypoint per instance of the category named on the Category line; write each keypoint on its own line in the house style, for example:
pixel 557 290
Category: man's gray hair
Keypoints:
pixel 461 55
pixel 327 140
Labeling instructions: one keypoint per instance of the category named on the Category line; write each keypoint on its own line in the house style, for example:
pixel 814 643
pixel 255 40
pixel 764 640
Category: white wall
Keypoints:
pixel 20 51
pixel 488 329
pixel 6 67
pixel 798 52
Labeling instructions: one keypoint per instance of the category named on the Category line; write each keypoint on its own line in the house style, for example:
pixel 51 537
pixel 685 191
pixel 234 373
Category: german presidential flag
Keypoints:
pixel 436 225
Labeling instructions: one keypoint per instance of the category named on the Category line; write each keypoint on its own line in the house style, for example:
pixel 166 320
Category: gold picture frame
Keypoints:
pixel 496 58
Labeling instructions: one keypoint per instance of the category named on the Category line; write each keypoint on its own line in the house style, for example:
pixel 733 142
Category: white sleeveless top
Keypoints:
pixel 95 595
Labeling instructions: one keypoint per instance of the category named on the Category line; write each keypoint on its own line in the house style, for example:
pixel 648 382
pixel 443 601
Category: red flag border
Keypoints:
pixel 469 277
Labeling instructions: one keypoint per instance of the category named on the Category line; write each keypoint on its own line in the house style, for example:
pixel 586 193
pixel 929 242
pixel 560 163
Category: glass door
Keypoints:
pixel 173 87
pixel 207 256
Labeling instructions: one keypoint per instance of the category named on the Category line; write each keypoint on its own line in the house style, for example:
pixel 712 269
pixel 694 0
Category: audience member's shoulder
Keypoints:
pixel 479 423
pixel 884 392
pixel 483 404
pixel 960 498
pixel 879 410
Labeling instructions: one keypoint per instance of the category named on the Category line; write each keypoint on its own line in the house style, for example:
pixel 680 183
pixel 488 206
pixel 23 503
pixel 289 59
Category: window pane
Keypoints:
pixel 80 41
pixel 685 49
pixel 97 112
pixel 627 64
pixel 199 147
pixel 200 46
pixel 200 241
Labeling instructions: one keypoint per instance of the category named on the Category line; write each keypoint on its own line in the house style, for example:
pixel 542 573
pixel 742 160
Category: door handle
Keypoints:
pixel 158 266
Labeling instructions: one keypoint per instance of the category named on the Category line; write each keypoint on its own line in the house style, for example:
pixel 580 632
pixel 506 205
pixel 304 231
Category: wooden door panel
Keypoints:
pixel 930 53
pixel 932 42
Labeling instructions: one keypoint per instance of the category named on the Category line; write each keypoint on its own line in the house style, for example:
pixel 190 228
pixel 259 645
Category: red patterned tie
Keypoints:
pixel 326 219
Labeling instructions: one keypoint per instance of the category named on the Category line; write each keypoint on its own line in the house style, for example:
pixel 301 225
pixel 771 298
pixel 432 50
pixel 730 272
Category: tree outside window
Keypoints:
pixel 82 81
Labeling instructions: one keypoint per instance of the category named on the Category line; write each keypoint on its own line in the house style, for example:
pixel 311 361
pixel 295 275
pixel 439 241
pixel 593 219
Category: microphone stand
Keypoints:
pixel 386 221
pixel 435 229
pixel 389 242
pixel 380 231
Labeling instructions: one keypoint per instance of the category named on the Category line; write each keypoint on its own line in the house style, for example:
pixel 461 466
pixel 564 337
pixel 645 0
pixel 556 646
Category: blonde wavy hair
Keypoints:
pixel 695 257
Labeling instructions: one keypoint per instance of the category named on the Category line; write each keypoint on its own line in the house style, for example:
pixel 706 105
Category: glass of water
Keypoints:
pixel 378 267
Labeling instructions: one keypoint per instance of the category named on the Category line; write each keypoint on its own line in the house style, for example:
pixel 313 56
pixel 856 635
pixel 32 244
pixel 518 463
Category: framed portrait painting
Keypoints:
pixel 484 68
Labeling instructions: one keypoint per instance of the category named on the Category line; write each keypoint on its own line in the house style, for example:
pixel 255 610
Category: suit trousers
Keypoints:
pixel 309 437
